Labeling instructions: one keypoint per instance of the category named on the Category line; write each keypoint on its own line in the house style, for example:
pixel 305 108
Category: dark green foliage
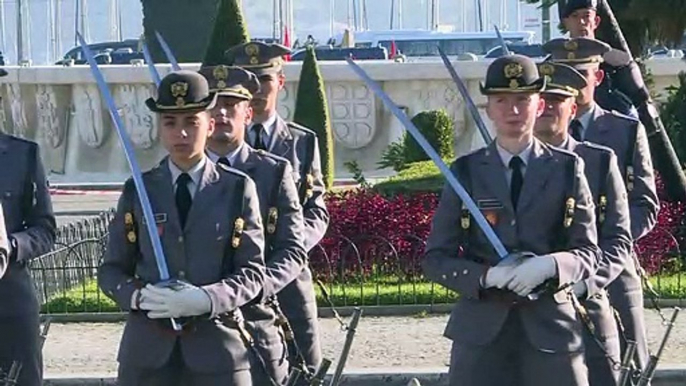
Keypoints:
pixel 673 116
pixel 416 177
pixel 312 111
pixel 229 30
pixel 438 129
pixel 184 24
pixel 393 157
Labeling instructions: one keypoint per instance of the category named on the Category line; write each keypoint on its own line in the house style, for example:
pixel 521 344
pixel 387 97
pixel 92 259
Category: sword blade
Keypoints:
pixel 471 106
pixel 168 52
pixel 151 65
pixel 449 176
pixel 506 50
pixel 150 224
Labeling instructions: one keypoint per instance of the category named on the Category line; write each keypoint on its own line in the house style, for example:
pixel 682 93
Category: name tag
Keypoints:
pixel 160 218
pixel 489 204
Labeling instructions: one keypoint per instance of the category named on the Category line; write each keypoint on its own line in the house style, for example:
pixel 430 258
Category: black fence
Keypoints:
pixel 362 270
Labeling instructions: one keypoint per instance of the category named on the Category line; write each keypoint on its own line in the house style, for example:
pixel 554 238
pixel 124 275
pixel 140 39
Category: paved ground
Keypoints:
pixel 384 342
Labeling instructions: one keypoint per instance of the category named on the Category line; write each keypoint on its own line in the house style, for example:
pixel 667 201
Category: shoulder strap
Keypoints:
pixel 273 212
pixel 570 201
pixel 630 149
pixel 605 158
pixel 30 183
pixel 307 179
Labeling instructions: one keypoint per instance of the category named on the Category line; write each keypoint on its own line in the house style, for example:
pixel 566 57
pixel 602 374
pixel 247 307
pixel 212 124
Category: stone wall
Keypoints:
pixel 62 110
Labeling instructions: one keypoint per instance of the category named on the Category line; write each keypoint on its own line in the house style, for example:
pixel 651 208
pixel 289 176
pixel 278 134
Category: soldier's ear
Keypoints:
pixel 597 20
pixel 248 114
pixel 282 80
pixel 599 76
pixel 210 124
pixel 541 105
pixel 573 107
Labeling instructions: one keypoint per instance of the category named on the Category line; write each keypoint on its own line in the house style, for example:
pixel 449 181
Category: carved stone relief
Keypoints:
pixel 19 120
pixel 52 123
pixel 286 103
pixel 139 122
pixel 353 117
pixel 87 114
pixel 50 128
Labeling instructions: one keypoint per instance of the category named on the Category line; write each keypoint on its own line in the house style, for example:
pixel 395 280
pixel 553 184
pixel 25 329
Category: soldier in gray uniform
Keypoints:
pixel 580 18
pixel 30 227
pixel 300 147
pixel 538 202
pixel 601 337
pixel 280 208
pixel 627 137
pixel 208 220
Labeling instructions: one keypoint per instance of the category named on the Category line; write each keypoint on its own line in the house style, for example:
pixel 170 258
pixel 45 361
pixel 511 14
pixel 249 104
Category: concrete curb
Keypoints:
pixel 324 312
pixel 665 376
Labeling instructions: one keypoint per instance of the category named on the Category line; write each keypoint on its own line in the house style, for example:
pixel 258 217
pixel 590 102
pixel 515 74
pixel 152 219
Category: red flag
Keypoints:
pixel 394 49
pixel 286 42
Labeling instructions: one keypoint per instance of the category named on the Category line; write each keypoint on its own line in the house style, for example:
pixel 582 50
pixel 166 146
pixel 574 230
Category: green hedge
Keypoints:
pixel 416 177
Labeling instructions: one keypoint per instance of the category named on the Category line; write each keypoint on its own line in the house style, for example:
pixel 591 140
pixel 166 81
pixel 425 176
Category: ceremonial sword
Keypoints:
pixel 506 50
pixel 469 102
pixel 449 176
pixel 168 52
pixel 136 173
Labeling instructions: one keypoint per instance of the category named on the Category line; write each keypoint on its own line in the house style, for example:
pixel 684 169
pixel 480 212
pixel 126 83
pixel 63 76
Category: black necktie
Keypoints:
pixel 517 179
pixel 259 141
pixel 575 128
pixel 224 161
pixel 183 197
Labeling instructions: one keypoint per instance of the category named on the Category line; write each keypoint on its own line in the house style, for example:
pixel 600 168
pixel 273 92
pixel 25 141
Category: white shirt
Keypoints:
pixel 269 127
pixel 585 120
pixel 214 157
pixel 506 156
pixel 195 173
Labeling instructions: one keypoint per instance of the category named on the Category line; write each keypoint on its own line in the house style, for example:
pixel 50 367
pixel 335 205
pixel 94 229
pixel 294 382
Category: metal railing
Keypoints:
pixel 360 270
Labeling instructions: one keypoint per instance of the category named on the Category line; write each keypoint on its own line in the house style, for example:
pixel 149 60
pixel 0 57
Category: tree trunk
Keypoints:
pixel 186 25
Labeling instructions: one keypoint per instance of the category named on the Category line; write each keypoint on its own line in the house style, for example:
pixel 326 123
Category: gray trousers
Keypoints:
pixel 602 353
pixel 629 306
pixel 19 341
pixel 176 373
pixel 511 360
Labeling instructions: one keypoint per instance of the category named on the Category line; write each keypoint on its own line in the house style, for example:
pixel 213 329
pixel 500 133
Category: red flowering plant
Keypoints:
pixel 373 235
pixel 376 236
pixel 660 250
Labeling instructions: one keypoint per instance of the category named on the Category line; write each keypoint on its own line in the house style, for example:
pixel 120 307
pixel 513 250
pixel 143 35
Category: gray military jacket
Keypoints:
pixel 210 251
pixel 612 214
pixel 553 176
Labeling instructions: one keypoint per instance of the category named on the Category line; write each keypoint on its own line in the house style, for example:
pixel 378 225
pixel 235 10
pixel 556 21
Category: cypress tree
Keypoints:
pixel 312 111
pixel 229 30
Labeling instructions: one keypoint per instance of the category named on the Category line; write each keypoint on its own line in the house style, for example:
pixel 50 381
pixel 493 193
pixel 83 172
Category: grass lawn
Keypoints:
pixel 88 298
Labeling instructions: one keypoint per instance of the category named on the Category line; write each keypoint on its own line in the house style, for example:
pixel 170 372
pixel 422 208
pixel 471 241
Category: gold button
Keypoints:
pixel 513 222
pixel 454 274
pixel 465 272
pixel 182 275
pixel 181 239
pixel 444 277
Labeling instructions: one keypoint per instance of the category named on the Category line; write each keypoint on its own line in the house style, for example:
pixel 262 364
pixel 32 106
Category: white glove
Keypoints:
pixel 580 289
pixel 531 273
pixel 182 301
pixel 498 276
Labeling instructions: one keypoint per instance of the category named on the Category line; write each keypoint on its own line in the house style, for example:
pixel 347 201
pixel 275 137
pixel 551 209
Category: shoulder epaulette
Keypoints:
pixel 231 170
pixel 624 116
pixel 299 127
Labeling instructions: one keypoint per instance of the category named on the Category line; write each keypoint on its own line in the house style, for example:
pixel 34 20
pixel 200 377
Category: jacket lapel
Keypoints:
pixel 243 159
pixel 282 140
pixel 206 195
pixel 493 175
pixel 537 172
